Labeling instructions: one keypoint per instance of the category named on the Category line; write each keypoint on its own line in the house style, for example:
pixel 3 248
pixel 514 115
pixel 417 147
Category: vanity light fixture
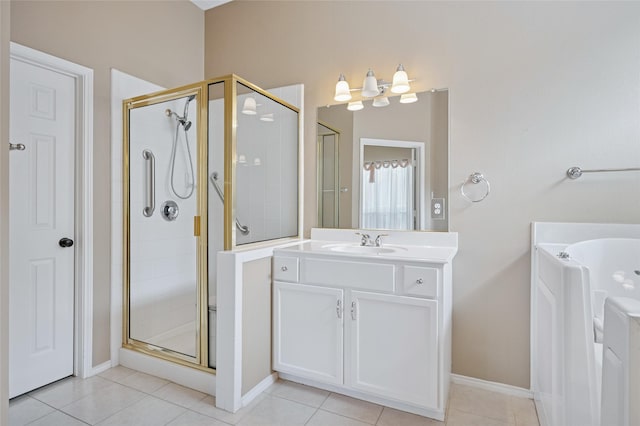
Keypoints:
pixel 267 117
pixel 370 85
pixel 355 106
pixel 343 93
pixel 249 106
pixel 400 81
pixel 381 101
pixel 372 88
pixel 408 98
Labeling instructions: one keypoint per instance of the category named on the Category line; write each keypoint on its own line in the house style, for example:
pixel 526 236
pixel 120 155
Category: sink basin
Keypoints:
pixel 358 249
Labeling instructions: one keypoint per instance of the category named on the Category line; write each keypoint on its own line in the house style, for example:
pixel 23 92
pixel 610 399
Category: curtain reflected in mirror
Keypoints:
pixel 388 193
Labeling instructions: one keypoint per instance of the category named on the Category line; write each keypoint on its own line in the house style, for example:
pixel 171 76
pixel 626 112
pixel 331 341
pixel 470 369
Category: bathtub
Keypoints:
pixel 573 274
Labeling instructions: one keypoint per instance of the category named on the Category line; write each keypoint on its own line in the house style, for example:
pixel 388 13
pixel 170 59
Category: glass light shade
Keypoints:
pixel 408 98
pixel 249 106
pixel 380 102
pixel 342 90
pixel 400 81
pixel 370 85
pixel 267 117
pixel 242 159
pixel 355 106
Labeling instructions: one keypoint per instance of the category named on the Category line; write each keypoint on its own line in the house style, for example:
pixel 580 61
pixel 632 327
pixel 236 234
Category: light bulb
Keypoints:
pixel 380 102
pixel 370 85
pixel 355 106
pixel 400 81
pixel 408 98
pixel 343 93
pixel 249 106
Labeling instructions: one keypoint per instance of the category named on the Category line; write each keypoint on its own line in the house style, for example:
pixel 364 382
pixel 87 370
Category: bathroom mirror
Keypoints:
pixel 366 159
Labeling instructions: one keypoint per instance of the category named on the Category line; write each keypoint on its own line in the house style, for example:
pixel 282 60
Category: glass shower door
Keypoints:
pixel 163 201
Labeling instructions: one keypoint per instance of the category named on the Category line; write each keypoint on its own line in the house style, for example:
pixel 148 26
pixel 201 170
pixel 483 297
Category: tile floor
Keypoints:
pixel 121 396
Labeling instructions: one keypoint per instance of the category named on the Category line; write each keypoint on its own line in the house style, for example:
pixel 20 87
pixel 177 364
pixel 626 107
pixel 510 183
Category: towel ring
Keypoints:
pixel 475 178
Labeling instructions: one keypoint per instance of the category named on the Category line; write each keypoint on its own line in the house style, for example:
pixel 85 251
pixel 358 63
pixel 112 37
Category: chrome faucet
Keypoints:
pixel 378 241
pixel 365 239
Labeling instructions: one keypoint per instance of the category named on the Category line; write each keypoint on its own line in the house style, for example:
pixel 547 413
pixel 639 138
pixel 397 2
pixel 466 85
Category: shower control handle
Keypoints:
pixel 65 242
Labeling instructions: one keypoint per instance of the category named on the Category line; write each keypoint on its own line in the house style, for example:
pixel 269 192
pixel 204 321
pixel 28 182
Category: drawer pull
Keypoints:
pixel 353 310
pixel 419 281
pixel 284 269
pixel 339 308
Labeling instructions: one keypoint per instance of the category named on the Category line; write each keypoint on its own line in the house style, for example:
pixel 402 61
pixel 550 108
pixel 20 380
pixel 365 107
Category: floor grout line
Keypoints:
pixel 451 407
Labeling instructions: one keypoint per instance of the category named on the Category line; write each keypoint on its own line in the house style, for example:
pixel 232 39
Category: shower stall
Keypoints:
pixel 207 167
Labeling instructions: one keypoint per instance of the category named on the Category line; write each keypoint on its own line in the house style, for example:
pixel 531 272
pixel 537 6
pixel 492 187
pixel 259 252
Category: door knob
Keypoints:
pixel 65 242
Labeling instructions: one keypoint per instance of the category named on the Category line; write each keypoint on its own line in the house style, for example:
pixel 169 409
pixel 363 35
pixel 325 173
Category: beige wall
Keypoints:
pixel 535 87
pixel 161 42
pixel 256 322
pixel 4 210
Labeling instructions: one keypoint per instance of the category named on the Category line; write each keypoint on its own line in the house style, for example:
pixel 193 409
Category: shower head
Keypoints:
pixel 185 114
pixel 182 120
pixel 185 123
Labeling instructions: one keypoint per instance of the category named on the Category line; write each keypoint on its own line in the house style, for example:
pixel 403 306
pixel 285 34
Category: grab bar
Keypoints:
pixel 576 172
pixel 244 230
pixel 150 183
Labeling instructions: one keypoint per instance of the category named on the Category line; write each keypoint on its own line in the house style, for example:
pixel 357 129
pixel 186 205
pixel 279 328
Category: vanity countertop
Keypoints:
pixel 342 249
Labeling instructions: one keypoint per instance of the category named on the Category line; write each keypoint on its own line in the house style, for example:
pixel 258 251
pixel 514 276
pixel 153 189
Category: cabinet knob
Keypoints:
pixel 284 269
pixel 419 281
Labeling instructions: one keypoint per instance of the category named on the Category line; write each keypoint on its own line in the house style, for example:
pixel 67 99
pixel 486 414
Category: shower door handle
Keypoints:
pixel 150 163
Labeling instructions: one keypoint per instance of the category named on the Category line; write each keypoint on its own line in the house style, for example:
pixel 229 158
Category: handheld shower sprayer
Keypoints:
pixel 186 125
pixel 182 120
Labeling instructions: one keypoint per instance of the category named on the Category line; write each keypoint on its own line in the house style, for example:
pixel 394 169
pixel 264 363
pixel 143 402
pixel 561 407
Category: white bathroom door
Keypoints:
pixel 41 220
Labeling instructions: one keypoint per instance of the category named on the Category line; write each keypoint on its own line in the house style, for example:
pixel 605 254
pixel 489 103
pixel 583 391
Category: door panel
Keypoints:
pixel 308 331
pixel 41 197
pixel 393 347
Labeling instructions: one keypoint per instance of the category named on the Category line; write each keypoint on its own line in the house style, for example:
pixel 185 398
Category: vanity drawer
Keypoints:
pixel 421 281
pixel 357 275
pixel 285 268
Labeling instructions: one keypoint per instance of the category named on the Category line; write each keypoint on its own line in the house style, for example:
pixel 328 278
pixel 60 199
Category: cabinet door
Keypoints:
pixel 308 338
pixel 393 347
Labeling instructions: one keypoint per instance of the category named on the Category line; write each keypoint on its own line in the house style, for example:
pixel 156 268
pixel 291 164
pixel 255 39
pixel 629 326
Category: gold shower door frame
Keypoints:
pixel 201 91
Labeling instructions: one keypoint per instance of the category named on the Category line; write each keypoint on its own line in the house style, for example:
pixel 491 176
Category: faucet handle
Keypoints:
pixel 365 238
pixel 378 241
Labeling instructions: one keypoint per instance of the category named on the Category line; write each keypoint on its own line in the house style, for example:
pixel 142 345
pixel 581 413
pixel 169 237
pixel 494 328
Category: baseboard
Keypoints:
pixel 99 368
pixel 259 388
pixel 492 386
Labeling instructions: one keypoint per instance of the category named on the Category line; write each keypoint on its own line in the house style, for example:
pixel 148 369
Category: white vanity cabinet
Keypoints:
pixel 383 336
